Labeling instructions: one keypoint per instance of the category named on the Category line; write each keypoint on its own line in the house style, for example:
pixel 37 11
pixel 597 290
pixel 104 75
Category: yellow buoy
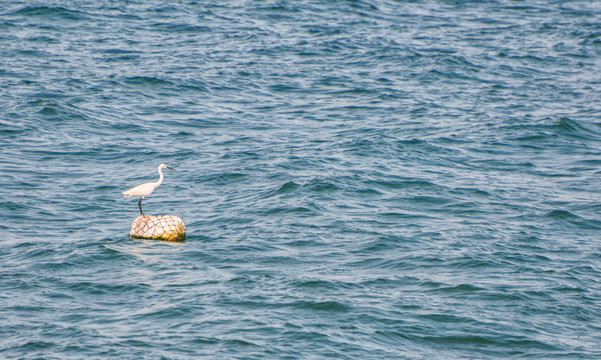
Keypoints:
pixel 158 227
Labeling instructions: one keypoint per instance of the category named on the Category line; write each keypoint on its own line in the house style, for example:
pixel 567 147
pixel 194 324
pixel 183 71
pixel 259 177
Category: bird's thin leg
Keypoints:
pixel 140 205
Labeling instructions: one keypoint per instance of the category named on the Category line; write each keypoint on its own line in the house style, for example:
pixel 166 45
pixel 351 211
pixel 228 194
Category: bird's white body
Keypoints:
pixel 146 188
pixel 141 190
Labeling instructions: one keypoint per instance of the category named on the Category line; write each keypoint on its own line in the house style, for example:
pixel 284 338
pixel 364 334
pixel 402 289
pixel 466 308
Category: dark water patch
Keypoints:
pixel 107 252
pixel 226 178
pixel 44 39
pixel 49 12
pixel 369 192
pixel 35 346
pixel 428 200
pixel 384 243
pixel 480 262
pixel 285 88
pixel 447 318
pixel 128 57
pixel 322 306
pixel 304 243
pixel 14 206
pixel 398 215
pixel 460 289
pixel 168 313
pixel 401 184
pixel 180 28
pixel 321 186
pixel 324 285
pixel 240 155
pixel 377 263
pixel 561 215
pixel 38 252
pixel 293 210
pixel 147 81
pixel 287 188
pixel 465 340
pixel 570 289
pixel 48 110
pixel 96 289
pixel 552 135
pixel 196 86
pixel 568 126
pixel 119 51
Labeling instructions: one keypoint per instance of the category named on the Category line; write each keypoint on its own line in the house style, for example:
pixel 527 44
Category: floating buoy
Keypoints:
pixel 158 227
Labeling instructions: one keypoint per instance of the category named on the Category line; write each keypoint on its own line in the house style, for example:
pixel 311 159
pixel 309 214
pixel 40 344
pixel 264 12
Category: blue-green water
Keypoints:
pixel 359 179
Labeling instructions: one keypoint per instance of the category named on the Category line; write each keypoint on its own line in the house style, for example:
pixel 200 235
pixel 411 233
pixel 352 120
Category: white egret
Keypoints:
pixel 146 188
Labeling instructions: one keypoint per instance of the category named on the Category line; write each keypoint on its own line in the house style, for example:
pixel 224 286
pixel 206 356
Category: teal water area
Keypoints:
pixel 359 179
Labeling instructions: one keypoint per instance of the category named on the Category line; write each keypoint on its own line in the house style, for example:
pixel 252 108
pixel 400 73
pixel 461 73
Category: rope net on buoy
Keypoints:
pixel 158 227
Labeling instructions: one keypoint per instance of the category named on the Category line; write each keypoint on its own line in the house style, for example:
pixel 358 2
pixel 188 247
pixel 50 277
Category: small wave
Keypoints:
pixel 464 339
pixel 326 306
pixel 180 28
pixel 401 184
pixel 50 12
pixel 447 318
pixel 147 80
pixel 571 127
pixel 324 284
pixel 288 187
pixel 226 178
pixel 300 210
pixel 96 289
pixel 34 345
pixel 321 186
pixel 562 214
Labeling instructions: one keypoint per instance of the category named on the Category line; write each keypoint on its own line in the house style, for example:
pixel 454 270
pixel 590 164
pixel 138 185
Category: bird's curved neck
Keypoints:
pixel 158 183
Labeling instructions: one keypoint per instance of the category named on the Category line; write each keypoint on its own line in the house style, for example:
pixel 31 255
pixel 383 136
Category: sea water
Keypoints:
pixel 359 179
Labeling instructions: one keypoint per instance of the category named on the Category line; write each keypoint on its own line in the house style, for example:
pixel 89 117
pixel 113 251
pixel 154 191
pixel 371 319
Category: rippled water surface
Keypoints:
pixel 359 179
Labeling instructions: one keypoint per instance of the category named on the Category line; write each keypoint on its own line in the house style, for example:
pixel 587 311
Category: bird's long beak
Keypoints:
pixel 170 168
